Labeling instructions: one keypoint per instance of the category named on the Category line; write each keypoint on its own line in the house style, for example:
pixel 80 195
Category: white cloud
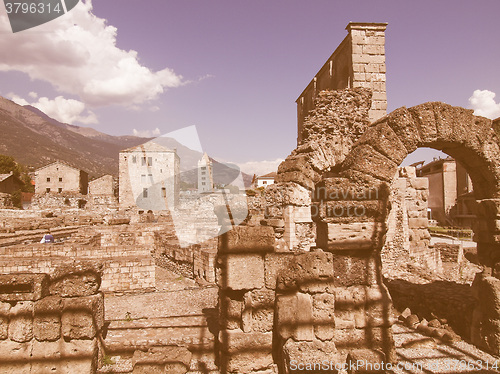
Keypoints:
pixel 483 103
pixel 146 133
pixel 77 53
pixel 64 110
pixel 17 99
pixel 33 95
pixel 260 167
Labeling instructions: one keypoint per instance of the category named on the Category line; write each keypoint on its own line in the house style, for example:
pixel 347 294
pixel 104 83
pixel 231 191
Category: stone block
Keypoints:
pixel 356 268
pixel 258 313
pixel 21 322
pixel 82 317
pixel 296 177
pixel 298 214
pixel 247 239
pixel 366 361
pixel 172 360
pixel 4 320
pixel 324 315
pixel 349 236
pixel 241 271
pixel 46 351
pixel 19 287
pixel 274 263
pixel 418 223
pixel 231 307
pixel 310 357
pixel 47 319
pixel 12 351
pixel 403 124
pixel 294 316
pixel 306 270
pixel 78 279
pixel 384 140
pixel 234 341
pixel 371 338
pixel 364 158
pixel 420 183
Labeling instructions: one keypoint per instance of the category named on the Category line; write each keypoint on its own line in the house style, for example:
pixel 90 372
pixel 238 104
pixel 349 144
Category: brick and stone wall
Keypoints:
pixel 51 324
pixel 359 61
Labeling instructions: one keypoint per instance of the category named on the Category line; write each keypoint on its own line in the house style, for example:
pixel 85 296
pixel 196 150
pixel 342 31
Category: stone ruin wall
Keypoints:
pixel 321 303
pixel 312 277
pixel 407 239
pixel 51 324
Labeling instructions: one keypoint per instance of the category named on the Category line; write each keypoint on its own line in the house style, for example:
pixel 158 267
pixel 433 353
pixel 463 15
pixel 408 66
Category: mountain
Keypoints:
pixel 35 139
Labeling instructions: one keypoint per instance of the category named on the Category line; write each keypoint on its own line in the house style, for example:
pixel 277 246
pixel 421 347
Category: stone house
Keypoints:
pixel 149 177
pixel 59 177
pixel 9 183
pixel 265 180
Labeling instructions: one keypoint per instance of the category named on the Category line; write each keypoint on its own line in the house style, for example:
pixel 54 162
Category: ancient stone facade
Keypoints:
pixel 306 283
pixel 59 177
pixel 359 61
pixel 149 177
pixel 51 324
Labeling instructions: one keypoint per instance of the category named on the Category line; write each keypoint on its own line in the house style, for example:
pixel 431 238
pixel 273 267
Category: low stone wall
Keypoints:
pixel 440 299
pixel 450 252
pixel 125 268
pixel 51 324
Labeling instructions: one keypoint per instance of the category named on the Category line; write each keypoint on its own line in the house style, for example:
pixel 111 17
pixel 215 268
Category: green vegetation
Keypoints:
pixel 107 360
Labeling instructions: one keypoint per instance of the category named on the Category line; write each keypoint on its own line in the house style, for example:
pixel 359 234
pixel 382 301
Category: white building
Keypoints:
pixel 265 180
pixel 205 174
pixel 149 177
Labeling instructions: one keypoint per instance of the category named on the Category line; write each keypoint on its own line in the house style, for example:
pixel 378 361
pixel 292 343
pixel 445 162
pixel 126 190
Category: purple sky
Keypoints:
pixel 243 64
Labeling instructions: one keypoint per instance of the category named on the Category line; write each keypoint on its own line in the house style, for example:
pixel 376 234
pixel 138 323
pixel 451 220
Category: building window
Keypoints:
pixel 202 183
pixel 59 190
pixel 60 179
pixel 144 161
pixel 150 161
pixel 203 168
pixel 145 192
pixel 134 159
pixel 163 192
pixel 47 190
pixel 203 178
pixel 264 182
pixel 143 178
pixel 203 173
pixel 48 179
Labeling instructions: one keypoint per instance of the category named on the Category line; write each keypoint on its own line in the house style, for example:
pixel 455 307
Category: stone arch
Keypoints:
pixel 469 139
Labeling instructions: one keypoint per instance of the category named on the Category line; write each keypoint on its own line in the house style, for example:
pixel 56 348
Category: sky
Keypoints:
pixel 234 68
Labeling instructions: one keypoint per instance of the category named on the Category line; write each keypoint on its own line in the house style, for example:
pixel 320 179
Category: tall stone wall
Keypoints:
pixel 359 61
pixel 51 324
